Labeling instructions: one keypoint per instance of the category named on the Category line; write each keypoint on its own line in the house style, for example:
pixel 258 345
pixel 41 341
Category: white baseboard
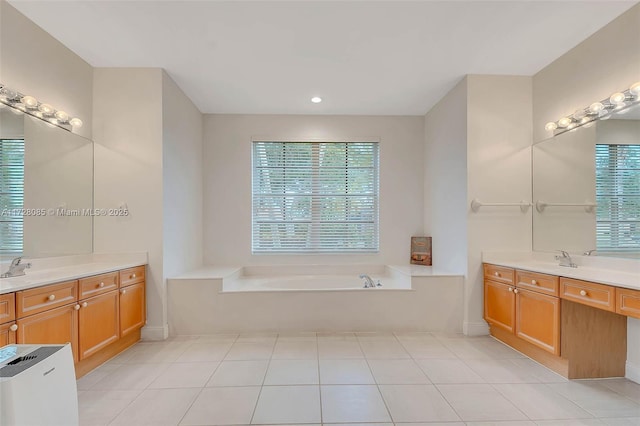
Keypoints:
pixel 475 328
pixel 632 372
pixel 155 333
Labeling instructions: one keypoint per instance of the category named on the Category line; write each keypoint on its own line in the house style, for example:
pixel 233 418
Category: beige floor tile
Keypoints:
pixel 624 387
pixel 383 349
pixel 223 406
pixel 239 373
pixel 301 336
pixel 185 375
pixel 101 407
pixel 621 421
pixel 448 371
pixel 540 372
pixel 295 350
pixel 205 352
pixel 339 349
pixel 345 372
pixel 538 402
pixel 288 404
pixel 90 379
pixel 427 350
pixel 353 403
pixel 397 372
pixel 500 371
pixel 250 351
pixel 292 372
pixel 417 403
pixel 131 377
pixel 598 400
pixel 257 338
pixel 157 407
pixel 338 335
pixel 480 402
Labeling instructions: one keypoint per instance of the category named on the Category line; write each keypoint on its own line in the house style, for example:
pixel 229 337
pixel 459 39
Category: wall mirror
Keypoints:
pixel 46 189
pixel 586 188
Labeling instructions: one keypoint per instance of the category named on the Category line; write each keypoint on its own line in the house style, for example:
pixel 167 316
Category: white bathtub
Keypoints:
pixel 314 298
pixel 314 278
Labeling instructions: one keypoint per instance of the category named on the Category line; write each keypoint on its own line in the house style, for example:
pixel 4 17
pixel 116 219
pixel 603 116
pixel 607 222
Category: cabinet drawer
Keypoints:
pixel 7 307
pixel 541 283
pixel 498 273
pixel 628 302
pixel 597 295
pixel 35 300
pixel 98 284
pixel 131 276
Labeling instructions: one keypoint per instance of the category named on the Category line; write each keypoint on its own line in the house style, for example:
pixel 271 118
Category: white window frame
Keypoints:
pixel 313 248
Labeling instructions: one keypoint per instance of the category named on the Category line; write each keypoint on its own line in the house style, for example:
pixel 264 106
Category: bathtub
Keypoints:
pixel 314 298
pixel 314 278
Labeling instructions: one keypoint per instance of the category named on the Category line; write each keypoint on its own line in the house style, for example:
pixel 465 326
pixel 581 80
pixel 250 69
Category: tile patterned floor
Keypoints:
pixel 344 378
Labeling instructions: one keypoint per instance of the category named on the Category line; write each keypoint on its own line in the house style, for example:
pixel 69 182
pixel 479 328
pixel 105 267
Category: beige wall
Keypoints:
pixel 34 63
pixel 128 169
pixel 227 181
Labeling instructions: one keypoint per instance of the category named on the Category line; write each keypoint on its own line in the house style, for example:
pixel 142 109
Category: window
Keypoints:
pixel 618 197
pixel 11 195
pixel 315 197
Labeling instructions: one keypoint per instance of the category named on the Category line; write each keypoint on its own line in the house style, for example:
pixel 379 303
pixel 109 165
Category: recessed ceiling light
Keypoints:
pixel 316 100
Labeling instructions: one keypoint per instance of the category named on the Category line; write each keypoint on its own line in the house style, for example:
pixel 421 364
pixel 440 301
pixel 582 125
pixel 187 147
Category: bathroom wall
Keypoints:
pixel 606 62
pixel 445 180
pixel 181 180
pixel 477 138
pixel 36 64
pixel 128 169
pixel 227 181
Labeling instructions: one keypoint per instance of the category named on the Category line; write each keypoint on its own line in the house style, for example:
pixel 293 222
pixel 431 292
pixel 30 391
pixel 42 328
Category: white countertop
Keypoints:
pixel 48 271
pixel 615 272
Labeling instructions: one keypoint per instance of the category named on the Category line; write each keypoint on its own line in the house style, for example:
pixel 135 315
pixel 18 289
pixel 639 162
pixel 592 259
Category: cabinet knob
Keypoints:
pixel 76 307
pixel 123 291
pixel 583 292
pixel 52 297
pixel 534 282
pixel 510 289
pixel 13 327
pixel 497 274
pixel 85 304
pixel 133 275
pixel 101 285
pixel 515 290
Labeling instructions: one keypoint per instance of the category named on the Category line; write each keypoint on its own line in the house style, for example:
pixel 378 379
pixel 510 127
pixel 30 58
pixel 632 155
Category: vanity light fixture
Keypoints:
pixel 30 105
pixel 597 110
pixel 316 99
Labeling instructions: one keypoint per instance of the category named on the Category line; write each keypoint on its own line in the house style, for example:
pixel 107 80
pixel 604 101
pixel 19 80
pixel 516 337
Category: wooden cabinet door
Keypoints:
pixel 7 336
pixel 499 305
pixel 132 308
pixel 538 319
pixel 98 323
pixel 59 325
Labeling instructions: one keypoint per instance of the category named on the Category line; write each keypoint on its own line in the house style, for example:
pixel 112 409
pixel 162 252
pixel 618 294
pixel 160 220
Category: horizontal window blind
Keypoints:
pixel 315 197
pixel 618 197
pixel 11 195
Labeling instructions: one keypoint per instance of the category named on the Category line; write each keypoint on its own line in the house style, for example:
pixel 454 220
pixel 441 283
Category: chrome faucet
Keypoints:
pixel 368 282
pixel 16 268
pixel 589 252
pixel 565 260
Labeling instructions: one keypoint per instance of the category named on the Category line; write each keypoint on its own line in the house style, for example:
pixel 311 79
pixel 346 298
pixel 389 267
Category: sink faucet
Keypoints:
pixel 368 282
pixel 16 268
pixel 589 252
pixel 565 260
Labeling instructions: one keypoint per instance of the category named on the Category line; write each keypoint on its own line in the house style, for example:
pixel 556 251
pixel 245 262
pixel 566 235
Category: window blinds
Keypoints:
pixel 618 197
pixel 11 195
pixel 315 197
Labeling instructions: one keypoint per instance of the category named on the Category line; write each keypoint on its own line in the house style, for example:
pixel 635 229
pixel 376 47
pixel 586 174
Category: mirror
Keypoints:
pixel 586 188
pixel 46 189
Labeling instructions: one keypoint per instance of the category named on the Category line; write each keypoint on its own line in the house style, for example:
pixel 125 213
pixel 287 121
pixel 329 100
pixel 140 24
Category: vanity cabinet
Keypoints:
pixel 525 304
pixel 628 302
pixel 98 315
pixel 7 319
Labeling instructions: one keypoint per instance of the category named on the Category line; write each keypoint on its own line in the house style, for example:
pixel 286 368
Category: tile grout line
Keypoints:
pixel 366 360
pixel 255 407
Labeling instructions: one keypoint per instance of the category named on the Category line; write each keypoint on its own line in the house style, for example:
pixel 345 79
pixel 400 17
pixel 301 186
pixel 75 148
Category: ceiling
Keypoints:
pixel 361 57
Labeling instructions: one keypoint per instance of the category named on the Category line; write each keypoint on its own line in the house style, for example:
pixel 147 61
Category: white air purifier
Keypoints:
pixel 37 386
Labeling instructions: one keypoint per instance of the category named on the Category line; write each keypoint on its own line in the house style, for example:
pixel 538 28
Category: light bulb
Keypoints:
pixel 75 122
pixel 30 101
pixel 62 116
pixel 635 88
pixel 46 109
pixel 617 98
pixel 584 120
pixel 316 99
pixel 53 121
pixel 21 107
pixel 564 122
pixel 7 93
pixel 37 114
pixel 550 126
pixel 596 107
pixel 579 114
pixel 571 125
